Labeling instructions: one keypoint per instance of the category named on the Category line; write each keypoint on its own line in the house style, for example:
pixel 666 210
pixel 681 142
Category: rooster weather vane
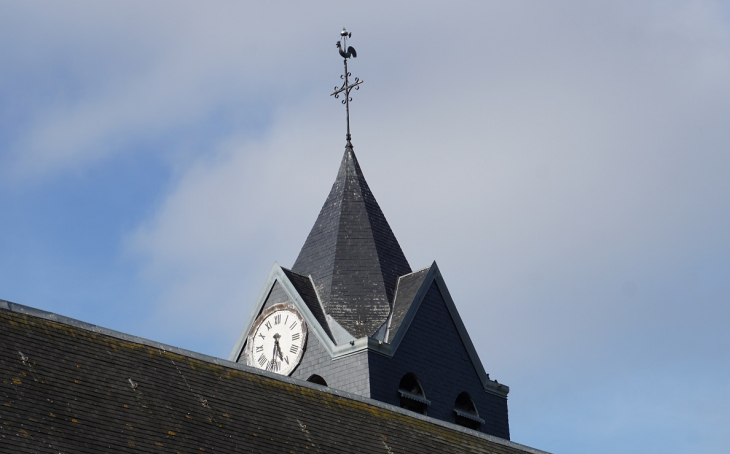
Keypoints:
pixel 346 53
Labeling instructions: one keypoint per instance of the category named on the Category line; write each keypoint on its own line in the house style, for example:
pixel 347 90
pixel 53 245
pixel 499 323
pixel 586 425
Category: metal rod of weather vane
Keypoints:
pixel 347 100
pixel 346 88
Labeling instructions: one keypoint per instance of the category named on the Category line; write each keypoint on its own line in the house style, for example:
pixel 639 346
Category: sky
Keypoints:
pixel 565 163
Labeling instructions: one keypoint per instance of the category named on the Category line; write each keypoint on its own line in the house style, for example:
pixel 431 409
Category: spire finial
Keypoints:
pixel 346 53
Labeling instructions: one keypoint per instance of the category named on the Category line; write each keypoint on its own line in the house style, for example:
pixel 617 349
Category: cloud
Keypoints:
pixel 565 164
pixel 130 73
pixel 248 201
pixel 557 167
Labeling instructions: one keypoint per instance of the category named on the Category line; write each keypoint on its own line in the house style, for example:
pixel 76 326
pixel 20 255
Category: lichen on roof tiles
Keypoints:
pixel 74 395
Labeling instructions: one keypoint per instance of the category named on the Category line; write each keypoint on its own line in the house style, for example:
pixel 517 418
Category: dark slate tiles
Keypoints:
pixel 349 373
pixel 303 286
pixel 74 395
pixel 433 350
pixel 352 254
pixel 408 286
pixel 277 295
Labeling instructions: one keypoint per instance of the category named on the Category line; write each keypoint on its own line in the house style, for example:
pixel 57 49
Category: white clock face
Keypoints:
pixel 277 339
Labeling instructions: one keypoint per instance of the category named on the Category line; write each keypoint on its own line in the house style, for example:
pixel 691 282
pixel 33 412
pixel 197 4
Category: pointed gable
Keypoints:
pixel 352 255
pixel 431 342
pixel 413 290
pixel 285 286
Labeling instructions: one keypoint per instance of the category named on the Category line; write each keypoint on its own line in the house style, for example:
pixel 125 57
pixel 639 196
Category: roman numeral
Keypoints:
pixel 294 349
pixel 293 325
pixel 286 358
pixel 273 366
pixel 259 349
pixel 262 360
pixel 262 336
pixel 287 318
pixel 268 324
pixel 295 336
pixel 277 319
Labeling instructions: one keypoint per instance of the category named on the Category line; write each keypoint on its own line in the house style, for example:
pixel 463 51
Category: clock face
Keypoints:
pixel 277 339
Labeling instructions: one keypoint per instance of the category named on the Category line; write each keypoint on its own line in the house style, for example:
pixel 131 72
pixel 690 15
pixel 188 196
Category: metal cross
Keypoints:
pixel 346 53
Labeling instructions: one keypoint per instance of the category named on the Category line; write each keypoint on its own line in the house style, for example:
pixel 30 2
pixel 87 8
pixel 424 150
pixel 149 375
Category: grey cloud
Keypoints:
pixel 566 165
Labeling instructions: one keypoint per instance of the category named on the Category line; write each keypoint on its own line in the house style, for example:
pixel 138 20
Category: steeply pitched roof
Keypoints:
pixel 408 285
pixel 304 287
pixel 352 254
pixel 67 386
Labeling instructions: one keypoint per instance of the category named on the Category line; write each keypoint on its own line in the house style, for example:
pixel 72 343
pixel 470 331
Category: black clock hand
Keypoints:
pixel 273 355
pixel 277 349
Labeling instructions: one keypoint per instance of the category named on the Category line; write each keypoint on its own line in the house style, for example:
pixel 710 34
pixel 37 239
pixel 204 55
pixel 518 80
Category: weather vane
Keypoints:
pixel 346 53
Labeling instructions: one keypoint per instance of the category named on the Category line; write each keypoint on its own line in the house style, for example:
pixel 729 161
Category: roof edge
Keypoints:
pixel 39 313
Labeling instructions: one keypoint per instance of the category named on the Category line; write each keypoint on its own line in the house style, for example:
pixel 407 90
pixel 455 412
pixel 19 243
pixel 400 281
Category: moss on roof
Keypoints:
pixel 68 389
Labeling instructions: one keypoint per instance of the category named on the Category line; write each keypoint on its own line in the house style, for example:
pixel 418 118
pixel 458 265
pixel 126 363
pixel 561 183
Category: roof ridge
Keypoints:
pixel 390 289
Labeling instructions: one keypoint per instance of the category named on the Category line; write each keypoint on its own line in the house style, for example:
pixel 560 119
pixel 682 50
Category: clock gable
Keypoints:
pixel 281 287
pixel 277 295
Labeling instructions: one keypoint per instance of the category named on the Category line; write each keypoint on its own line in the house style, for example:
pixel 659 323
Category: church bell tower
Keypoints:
pixel 351 314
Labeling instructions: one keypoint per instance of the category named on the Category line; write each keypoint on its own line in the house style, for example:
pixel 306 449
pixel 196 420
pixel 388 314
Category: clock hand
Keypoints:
pixel 273 356
pixel 277 348
pixel 281 355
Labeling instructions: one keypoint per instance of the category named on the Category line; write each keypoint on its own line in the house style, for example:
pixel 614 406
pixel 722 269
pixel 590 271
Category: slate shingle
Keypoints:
pixel 304 287
pixel 408 286
pixel 352 254
pixel 74 394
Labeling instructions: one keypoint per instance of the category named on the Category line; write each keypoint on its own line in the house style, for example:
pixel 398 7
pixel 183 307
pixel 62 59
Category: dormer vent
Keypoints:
pixel 465 412
pixel 411 394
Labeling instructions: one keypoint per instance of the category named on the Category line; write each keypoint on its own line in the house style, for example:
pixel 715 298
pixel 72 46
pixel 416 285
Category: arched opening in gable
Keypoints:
pixel 465 412
pixel 317 380
pixel 411 394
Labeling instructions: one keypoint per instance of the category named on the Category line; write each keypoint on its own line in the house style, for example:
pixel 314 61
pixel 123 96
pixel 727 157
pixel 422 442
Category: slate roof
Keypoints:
pixel 352 254
pixel 408 286
pixel 305 288
pixel 70 387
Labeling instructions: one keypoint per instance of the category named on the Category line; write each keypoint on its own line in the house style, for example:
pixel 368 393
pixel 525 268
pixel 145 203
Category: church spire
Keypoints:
pixel 352 254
